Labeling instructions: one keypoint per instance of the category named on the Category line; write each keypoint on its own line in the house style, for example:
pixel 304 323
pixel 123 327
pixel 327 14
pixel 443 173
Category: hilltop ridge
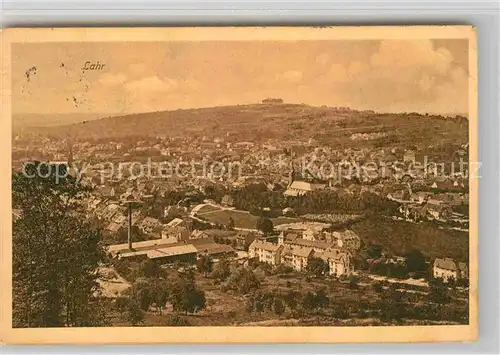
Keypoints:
pixel 258 122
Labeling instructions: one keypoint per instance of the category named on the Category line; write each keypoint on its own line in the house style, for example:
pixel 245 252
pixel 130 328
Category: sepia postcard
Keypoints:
pixel 248 184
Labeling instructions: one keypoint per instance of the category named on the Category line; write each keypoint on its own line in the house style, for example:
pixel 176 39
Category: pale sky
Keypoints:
pixel 387 76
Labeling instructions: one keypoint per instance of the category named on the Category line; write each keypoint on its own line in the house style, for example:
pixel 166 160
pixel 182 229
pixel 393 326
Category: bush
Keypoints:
pixel 176 320
pixel 340 312
pixel 243 281
pixel 185 296
pixel 314 301
pixel 318 267
pixel 377 287
pixel 123 268
pixel 283 269
pixel 222 270
pixel 148 268
pixel 353 282
pixel 439 293
pixel 278 306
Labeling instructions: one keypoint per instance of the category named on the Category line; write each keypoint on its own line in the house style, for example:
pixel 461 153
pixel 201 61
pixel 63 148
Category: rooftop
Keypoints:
pixel 175 222
pixel 298 251
pixel 260 244
pixel 171 251
pixel 137 246
pixel 307 243
pixel 333 253
pixel 345 235
pixel 445 263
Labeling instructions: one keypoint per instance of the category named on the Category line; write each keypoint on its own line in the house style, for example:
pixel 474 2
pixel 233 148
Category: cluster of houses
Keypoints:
pixel 424 205
pixel 295 248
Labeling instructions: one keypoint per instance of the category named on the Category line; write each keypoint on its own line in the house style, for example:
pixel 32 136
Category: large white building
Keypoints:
pixel 339 262
pixel 296 252
pixel 298 188
pixel 447 269
pixel 297 256
pixel 266 252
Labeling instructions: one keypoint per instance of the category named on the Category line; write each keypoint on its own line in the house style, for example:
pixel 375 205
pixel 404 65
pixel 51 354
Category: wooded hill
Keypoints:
pixel 339 127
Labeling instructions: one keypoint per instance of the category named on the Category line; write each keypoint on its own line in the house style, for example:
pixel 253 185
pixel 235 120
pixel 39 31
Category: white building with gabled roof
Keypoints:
pixel 339 262
pixel 298 188
pixel 266 252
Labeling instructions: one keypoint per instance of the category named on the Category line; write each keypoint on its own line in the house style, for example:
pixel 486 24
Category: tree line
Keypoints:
pixel 55 253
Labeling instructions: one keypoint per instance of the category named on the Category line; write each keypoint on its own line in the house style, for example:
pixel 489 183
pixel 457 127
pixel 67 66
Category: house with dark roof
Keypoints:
pixel 173 253
pixel 295 239
pixel 245 238
pixel 114 227
pixel 150 225
pixel 207 246
pixel 198 234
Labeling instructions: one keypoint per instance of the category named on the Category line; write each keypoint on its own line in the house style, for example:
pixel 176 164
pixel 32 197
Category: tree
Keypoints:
pixel 291 299
pixel 415 261
pixel 230 224
pixel 186 297
pixel 374 251
pixel 278 306
pixel 121 303
pixel 142 293
pixel 265 225
pixel 134 314
pixel 353 282
pixel 204 264
pixel 56 252
pixel 122 235
pixel 318 267
pixel 243 281
pixel 129 309
pixel 377 287
pixel 438 292
pixel 393 305
pixel 221 270
pixel 322 299
pixel 149 268
pixel 160 293
pixel 315 301
pixel 176 320
pixel 308 301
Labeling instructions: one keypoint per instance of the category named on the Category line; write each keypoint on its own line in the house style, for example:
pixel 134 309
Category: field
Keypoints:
pixel 241 219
